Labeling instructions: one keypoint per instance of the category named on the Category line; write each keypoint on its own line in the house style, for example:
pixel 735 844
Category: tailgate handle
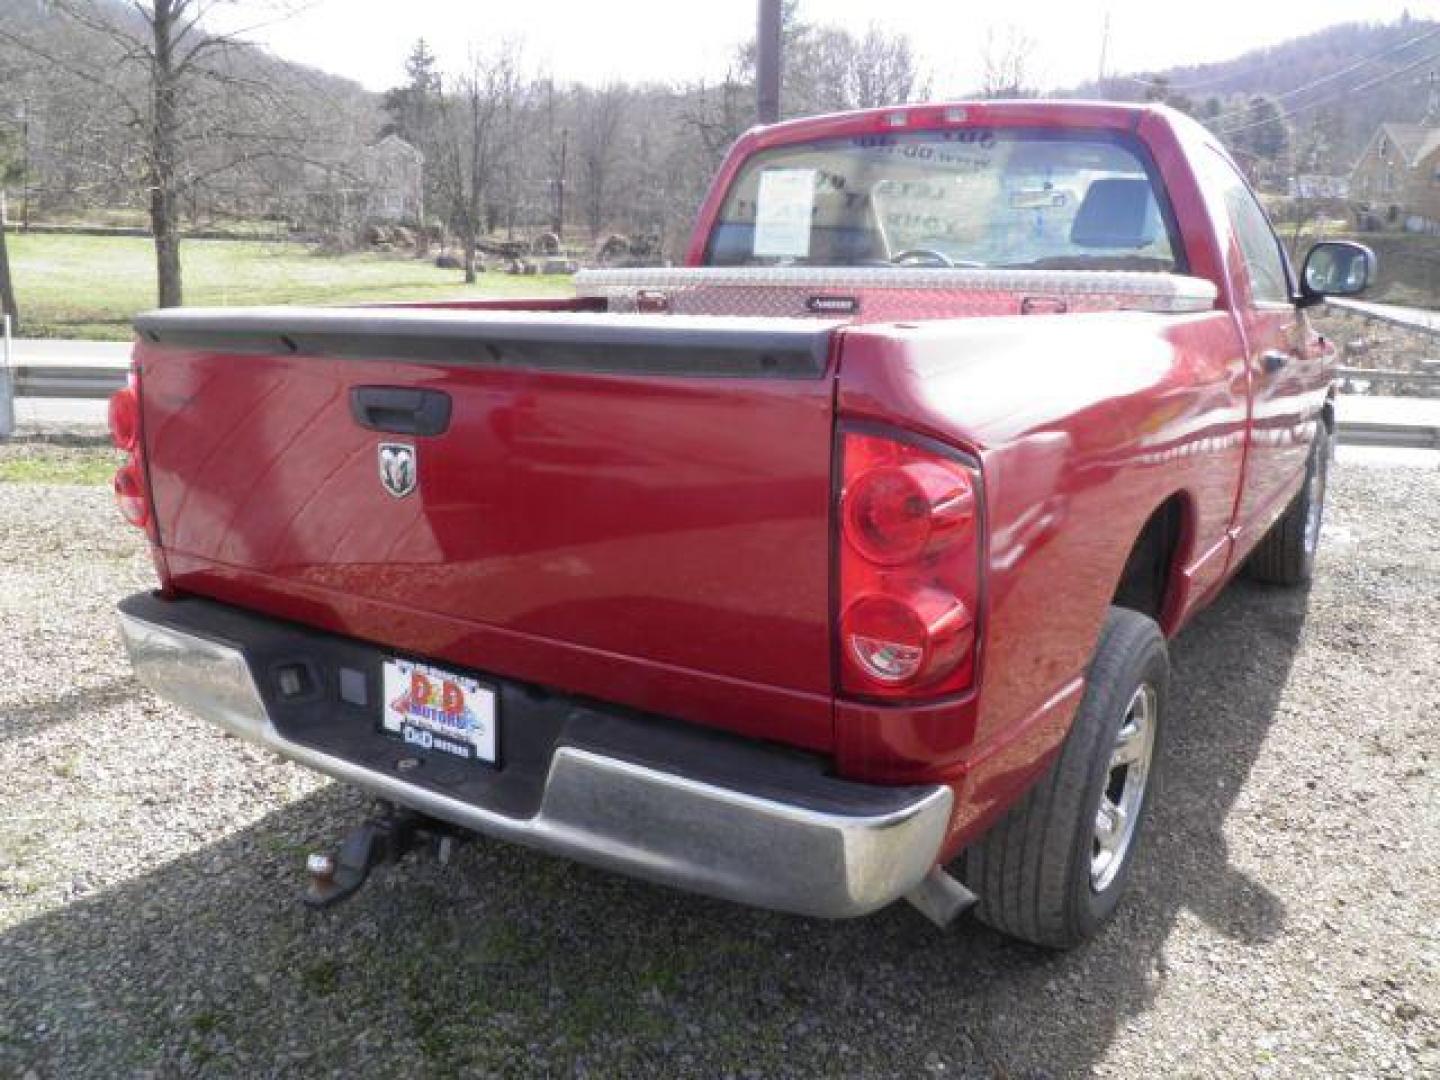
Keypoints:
pixel 400 410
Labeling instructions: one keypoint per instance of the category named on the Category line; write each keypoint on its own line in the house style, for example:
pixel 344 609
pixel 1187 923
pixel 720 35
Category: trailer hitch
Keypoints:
pixel 384 837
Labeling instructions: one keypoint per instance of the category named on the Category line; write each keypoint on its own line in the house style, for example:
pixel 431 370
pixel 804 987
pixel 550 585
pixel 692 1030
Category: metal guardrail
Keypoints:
pixel 36 380
pixel 1415 378
pixel 7 388
pixel 1403 436
pixel 1414 319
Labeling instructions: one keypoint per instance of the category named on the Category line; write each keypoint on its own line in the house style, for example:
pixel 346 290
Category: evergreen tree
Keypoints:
pixel 410 108
pixel 1269 136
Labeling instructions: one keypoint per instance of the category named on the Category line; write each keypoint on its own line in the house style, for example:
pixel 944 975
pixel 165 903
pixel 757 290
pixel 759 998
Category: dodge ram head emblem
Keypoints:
pixel 397 469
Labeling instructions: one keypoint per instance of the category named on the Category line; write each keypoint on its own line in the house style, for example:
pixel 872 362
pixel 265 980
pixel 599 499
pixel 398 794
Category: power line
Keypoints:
pixel 1378 80
pixel 1357 65
pixel 1337 74
pixel 1166 84
pixel 1104 47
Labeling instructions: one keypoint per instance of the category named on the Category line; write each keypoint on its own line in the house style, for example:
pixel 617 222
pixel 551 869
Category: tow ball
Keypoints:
pixel 383 838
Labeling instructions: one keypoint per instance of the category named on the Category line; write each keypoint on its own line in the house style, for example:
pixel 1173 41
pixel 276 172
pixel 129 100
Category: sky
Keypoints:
pixel 594 41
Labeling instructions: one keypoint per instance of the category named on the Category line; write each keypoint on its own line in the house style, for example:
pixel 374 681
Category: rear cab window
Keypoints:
pixel 1014 198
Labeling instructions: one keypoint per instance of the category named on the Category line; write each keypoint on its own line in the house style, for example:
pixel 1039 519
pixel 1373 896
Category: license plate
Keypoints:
pixel 440 711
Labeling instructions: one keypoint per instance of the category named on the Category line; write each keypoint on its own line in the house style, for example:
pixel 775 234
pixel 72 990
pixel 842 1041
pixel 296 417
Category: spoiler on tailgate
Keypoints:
pixel 590 342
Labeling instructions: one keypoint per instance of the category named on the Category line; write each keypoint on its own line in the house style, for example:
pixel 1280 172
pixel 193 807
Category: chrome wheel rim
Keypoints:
pixel 1124 793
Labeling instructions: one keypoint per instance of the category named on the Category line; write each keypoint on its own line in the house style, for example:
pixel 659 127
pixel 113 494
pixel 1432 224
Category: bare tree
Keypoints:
pixel 160 66
pixel 475 112
pixel 201 125
pixel 1310 148
pixel 11 169
pixel 717 115
pixel 830 69
pixel 883 71
pixel 600 115
pixel 1006 58
pixel 557 154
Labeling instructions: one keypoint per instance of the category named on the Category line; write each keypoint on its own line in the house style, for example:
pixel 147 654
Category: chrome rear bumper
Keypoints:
pixel 603 810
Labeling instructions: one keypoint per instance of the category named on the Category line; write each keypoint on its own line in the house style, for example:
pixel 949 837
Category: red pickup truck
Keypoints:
pixel 833 567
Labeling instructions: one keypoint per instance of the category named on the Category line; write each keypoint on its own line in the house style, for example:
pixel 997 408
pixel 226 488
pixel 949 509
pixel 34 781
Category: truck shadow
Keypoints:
pixel 511 962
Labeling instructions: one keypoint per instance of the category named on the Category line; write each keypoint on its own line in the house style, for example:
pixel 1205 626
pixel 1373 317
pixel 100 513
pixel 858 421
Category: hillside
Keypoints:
pixel 251 121
pixel 1341 81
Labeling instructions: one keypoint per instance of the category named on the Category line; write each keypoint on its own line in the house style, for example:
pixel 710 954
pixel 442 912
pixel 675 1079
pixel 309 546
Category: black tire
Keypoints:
pixel 1286 554
pixel 1032 872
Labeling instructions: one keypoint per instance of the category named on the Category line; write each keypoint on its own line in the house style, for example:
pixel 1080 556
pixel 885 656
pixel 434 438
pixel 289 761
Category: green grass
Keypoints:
pixel 92 286
pixel 40 464
pixel 125 217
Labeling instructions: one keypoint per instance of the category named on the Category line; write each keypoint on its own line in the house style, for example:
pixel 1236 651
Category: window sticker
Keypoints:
pixel 786 204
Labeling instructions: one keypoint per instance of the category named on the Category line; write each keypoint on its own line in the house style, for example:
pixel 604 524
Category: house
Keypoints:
pixel 383 183
pixel 393 173
pixel 1397 178
pixel 1318 186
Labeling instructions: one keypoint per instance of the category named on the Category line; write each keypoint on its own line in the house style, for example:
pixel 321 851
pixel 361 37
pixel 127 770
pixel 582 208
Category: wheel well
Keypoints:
pixel 1145 582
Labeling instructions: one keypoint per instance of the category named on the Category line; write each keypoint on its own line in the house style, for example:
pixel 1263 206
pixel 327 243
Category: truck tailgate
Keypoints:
pixel 634 508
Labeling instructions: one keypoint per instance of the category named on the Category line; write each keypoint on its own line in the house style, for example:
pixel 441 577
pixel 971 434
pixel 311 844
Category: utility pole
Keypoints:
pixel 560 187
pixel 1104 48
pixel 25 167
pixel 1432 101
pixel 767 62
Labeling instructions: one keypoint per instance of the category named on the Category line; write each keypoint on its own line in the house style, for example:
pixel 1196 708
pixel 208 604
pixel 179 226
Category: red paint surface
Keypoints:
pixel 612 536
pixel 667 543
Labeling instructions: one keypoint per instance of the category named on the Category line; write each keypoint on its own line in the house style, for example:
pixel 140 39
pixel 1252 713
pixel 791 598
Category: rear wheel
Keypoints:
pixel 1054 868
pixel 1286 556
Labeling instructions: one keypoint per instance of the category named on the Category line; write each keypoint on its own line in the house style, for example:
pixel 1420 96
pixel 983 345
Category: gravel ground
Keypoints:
pixel 1284 920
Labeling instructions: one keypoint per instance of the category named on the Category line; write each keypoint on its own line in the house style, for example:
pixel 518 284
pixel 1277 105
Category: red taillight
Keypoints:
pixel 130 494
pixel 909 569
pixel 125 418
pixel 896 513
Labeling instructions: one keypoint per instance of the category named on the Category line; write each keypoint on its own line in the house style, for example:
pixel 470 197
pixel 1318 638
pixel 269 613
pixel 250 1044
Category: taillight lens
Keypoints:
pixel 130 494
pixel 124 418
pixel 909 568
pixel 894 514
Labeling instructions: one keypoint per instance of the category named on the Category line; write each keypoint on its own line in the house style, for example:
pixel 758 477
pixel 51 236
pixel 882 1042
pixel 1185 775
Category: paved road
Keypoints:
pixel 1375 409
pixel 56 353
pixel 51 414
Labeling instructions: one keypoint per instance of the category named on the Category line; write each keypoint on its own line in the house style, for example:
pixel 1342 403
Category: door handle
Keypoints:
pixel 1272 360
pixel 400 410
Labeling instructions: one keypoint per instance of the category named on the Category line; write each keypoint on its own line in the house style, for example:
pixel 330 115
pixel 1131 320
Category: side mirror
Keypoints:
pixel 1336 268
